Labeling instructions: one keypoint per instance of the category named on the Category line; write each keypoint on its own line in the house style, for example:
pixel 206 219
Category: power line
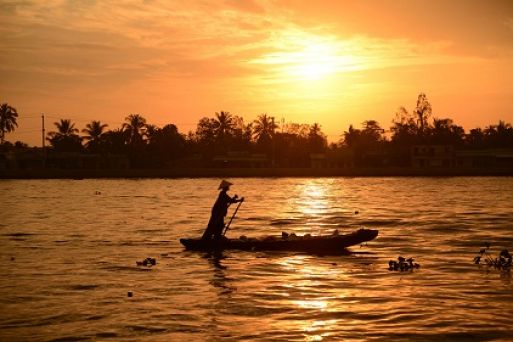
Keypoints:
pixel 30 131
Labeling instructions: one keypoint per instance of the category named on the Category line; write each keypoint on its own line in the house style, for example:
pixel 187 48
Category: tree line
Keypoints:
pixel 290 144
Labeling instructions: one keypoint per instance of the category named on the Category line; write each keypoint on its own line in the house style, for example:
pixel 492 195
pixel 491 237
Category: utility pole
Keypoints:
pixel 43 139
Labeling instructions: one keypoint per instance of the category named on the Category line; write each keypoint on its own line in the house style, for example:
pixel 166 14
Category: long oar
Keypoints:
pixel 234 213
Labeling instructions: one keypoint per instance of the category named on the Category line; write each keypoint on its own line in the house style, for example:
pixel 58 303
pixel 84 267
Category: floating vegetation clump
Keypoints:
pixel 147 262
pixel 502 262
pixel 402 264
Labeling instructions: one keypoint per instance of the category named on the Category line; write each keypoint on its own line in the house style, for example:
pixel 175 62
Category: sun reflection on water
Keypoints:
pixel 312 329
pixel 318 304
pixel 313 199
pixel 315 207
pixel 305 292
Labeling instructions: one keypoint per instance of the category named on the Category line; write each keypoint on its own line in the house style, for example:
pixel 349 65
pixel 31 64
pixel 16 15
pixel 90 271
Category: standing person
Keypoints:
pixel 219 210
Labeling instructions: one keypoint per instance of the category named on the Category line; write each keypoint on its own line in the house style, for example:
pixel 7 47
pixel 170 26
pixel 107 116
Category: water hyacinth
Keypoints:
pixel 402 264
pixel 502 262
pixel 147 262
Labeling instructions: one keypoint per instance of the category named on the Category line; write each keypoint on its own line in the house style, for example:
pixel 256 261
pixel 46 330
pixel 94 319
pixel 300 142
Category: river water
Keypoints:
pixel 68 252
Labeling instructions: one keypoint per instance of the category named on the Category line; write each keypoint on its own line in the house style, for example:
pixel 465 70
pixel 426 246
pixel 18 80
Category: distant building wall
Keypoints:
pixel 241 159
pixel 484 158
pixel 335 159
pixel 29 159
pixel 445 156
pixel 3 161
pixel 432 156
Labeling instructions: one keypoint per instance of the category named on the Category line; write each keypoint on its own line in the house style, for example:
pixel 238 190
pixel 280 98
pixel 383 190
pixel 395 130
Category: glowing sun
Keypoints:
pixel 301 56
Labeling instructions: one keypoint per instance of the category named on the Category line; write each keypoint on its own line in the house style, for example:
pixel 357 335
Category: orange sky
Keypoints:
pixel 332 62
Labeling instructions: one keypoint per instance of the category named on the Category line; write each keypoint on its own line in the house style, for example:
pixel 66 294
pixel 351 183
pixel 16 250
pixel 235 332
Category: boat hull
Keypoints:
pixel 331 244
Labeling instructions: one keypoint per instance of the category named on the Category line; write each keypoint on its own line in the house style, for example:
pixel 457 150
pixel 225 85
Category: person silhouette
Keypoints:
pixel 219 210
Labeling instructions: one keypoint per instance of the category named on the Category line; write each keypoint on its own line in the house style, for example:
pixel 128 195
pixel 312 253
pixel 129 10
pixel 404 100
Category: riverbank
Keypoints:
pixel 252 172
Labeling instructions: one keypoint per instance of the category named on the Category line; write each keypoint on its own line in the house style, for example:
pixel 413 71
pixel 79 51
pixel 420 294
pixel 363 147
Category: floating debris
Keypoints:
pixel 502 263
pixel 130 294
pixel 402 264
pixel 147 262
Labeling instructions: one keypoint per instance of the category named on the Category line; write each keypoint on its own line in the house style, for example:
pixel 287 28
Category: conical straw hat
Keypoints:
pixel 224 184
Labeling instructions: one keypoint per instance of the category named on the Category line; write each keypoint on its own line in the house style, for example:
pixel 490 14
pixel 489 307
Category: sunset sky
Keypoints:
pixel 332 62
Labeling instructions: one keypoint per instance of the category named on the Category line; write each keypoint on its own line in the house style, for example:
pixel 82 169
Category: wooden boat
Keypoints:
pixel 327 244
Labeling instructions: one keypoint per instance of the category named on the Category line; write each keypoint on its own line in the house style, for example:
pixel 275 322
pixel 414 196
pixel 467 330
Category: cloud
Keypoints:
pixel 77 42
pixel 73 42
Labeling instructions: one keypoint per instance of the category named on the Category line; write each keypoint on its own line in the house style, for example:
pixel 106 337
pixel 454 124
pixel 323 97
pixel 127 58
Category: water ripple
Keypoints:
pixel 69 273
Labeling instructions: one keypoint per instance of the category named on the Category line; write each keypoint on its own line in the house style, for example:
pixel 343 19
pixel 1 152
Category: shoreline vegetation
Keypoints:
pixel 225 145
pixel 253 173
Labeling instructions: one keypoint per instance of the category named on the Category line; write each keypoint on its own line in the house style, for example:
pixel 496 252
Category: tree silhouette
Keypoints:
pixel 366 143
pixel 292 146
pixel 224 125
pixel 242 135
pixel 422 111
pixel 445 132
pixel 404 129
pixel 114 141
pixel 94 135
pixel 264 128
pixel 206 131
pixel 316 139
pixel 372 131
pixel 151 132
pixel 500 135
pixel 475 138
pixel 65 139
pixel 8 120
pixel 351 137
pixel 148 145
pixel 165 144
pixel 135 128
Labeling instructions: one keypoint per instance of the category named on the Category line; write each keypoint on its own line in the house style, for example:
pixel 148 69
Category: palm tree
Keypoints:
pixel 64 128
pixel 95 133
pixel 444 131
pixel 264 128
pixel 115 141
pixel 135 128
pixel 475 138
pixel 316 139
pixel 225 124
pixel 8 122
pixel 315 130
pixel 372 131
pixel 66 138
pixel 351 136
pixel 500 135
